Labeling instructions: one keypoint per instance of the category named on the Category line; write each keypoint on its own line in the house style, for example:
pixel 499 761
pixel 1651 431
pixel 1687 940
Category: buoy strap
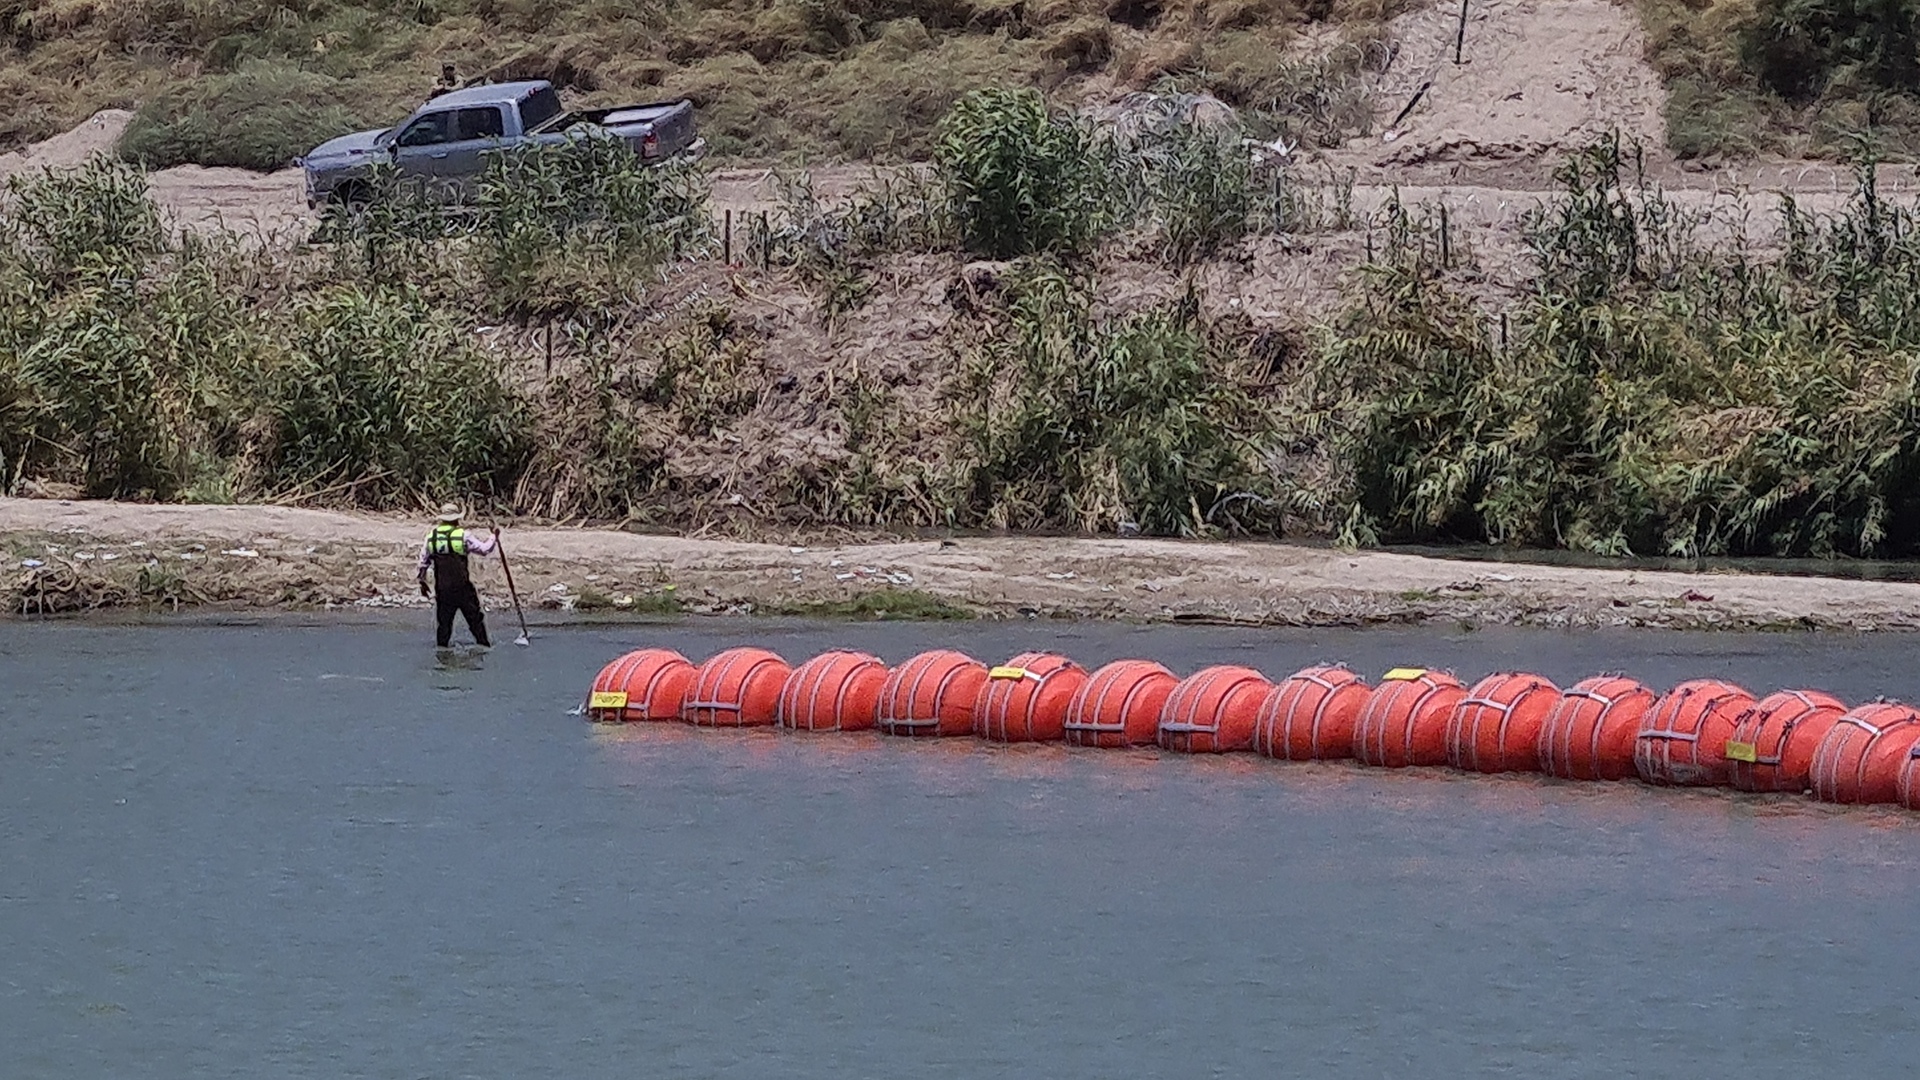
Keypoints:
pixel 1863 724
pixel 717 706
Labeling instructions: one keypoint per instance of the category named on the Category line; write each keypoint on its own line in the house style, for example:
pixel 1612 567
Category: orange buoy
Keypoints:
pixel 1026 699
pixel 1405 719
pixel 1863 755
pixel 737 688
pixel 1120 705
pixel 1590 733
pixel 1496 727
pixel 1310 714
pixel 1213 711
pixel 932 695
pixel 835 691
pixel 1772 745
pixel 1683 741
pixel 645 684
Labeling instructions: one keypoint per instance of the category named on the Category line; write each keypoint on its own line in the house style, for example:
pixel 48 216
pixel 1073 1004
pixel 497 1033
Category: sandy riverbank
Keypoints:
pixel 64 556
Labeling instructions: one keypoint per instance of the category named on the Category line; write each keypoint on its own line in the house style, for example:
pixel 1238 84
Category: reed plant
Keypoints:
pixel 1078 421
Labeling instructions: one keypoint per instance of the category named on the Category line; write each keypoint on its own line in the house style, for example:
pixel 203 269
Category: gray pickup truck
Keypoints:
pixel 445 142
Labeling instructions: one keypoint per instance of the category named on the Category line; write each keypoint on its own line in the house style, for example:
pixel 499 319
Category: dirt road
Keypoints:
pixel 276 557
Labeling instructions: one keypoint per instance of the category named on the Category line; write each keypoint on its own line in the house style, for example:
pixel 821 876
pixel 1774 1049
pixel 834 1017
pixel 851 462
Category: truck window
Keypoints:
pixel 539 107
pixel 429 130
pixel 478 124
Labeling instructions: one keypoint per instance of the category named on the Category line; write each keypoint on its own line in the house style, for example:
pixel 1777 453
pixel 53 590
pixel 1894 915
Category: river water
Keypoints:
pixel 317 851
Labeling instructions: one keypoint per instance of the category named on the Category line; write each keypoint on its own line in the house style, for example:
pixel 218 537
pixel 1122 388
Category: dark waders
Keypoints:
pixel 453 589
pixel 449 598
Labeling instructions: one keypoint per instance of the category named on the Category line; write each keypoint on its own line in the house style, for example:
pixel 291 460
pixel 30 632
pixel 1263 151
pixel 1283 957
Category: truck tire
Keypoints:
pixel 352 195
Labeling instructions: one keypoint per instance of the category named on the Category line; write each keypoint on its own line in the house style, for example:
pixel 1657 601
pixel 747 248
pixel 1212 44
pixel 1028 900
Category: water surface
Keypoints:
pixel 314 851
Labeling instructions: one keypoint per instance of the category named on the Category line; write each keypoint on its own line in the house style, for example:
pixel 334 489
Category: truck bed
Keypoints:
pixel 618 114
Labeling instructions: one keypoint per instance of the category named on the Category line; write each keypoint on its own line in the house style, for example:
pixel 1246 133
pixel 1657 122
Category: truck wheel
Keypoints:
pixel 352 195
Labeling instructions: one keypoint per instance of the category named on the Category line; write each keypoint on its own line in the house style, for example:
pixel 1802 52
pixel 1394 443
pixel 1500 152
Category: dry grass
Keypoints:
pixel 862 79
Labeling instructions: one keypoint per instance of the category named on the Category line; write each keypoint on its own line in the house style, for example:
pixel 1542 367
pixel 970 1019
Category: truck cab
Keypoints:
pixel 444 144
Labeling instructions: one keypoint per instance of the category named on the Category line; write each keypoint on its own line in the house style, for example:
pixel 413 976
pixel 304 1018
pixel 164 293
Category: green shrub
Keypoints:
pixel 1800 50
pixel 95 399
pixel 89 221
pixel 1023 180
pixel 574 225
pixel 1069 420
pixel 261 116
pixel 1655 397
pixel 381 387
pixel 1201 184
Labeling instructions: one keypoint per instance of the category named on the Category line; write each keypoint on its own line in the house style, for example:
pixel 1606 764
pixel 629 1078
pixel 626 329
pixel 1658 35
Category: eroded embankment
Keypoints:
pixel 78 556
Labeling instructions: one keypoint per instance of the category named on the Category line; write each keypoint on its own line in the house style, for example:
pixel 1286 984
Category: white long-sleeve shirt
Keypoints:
pixel 476 545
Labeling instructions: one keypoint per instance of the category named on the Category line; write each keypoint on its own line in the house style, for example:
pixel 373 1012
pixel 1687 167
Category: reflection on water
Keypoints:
pixel 1859 569
pixel 378 878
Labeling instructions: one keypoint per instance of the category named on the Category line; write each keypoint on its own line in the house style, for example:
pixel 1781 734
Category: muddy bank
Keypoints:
pixel 77 556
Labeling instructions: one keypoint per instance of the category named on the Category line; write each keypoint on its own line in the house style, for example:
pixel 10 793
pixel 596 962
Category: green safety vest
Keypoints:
pixel 447 540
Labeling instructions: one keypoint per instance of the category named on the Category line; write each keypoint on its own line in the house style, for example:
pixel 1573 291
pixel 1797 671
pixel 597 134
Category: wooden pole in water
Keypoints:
pixel 1460 35
pixel 501 547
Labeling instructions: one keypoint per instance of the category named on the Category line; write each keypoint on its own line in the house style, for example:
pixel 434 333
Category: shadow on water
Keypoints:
pixel 1853 569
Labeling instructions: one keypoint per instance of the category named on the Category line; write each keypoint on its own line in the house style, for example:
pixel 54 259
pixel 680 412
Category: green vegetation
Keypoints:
pixel 1649 393
pixel 1103 423
pixel 260 116
pixel 1786 76
pixel 1656 397
pixel 879 604
pixel 1024 179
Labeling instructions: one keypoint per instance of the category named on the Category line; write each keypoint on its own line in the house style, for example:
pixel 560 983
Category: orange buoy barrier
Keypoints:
pixel 1310 714
pixel 1863 755
pixel 932 695
pixel 1213 711
pixel 1405 719
pixel 835 691
pixel 1683 741
pixel 645 684
pixel 1120 705
pixel 1772 745
pixel 1590 733
pixel 1026 699
pixel 1609 727
pixel 1496 727
pixel 737 688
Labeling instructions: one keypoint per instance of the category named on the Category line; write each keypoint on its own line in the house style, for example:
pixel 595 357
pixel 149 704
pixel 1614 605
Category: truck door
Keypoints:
pixel 476 133
pixel 421 146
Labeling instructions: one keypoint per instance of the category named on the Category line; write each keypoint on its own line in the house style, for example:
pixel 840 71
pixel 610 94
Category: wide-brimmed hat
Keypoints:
pixel 450 513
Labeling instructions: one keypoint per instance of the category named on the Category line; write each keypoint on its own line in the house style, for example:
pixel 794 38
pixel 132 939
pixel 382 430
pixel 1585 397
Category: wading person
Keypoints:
pixel 445 552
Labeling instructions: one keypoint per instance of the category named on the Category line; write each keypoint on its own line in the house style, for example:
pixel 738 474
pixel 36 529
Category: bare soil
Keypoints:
pixel 267 557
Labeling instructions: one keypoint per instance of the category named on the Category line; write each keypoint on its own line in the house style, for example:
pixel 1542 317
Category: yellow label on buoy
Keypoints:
pixel 1742 751
pixel 1008 673
pixel 607 699
pixel 1403 674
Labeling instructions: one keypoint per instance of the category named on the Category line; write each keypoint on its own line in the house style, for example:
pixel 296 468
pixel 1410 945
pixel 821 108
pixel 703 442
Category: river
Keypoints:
pixel 314 850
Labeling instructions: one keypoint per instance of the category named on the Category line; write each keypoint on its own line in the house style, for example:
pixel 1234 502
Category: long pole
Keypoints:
pixel 511 591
